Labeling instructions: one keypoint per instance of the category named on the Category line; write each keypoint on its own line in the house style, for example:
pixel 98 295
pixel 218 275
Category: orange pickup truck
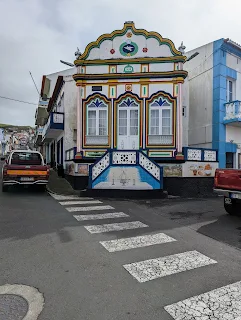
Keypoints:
pixel 24 168
pixel 227 182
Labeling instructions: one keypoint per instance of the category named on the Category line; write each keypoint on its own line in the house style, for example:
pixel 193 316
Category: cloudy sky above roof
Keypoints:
pixel 36 34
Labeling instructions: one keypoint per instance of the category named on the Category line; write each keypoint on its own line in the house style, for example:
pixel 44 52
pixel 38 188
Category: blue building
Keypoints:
pixel 214 109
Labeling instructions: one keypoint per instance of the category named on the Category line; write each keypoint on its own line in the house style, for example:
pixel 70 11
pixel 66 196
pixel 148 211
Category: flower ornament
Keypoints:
pixel 144 49
pixel 112 51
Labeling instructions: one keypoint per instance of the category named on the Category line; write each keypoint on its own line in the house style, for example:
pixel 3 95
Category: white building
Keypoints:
pixel 56 116
pixel 215 100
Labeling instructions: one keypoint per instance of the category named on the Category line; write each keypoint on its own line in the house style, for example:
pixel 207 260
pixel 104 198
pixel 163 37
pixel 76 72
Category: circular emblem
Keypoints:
pixel 128 49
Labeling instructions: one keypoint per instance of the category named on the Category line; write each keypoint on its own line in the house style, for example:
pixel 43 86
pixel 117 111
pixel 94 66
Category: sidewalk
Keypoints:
pixel 60 185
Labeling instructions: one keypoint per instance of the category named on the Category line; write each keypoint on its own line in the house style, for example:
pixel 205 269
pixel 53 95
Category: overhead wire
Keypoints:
pixel 7 98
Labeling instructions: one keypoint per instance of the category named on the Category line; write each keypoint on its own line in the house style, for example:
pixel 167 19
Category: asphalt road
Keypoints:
pixel 42 245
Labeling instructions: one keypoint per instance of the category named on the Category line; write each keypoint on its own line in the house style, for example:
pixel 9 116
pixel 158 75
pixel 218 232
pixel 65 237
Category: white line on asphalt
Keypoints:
pixel 33 297
pixel 59 197
pixel 101 216
pixel 115 227
pixel 136 242
pixel 221 303
pixel 69 203
pixel 94 208
pixel 157 268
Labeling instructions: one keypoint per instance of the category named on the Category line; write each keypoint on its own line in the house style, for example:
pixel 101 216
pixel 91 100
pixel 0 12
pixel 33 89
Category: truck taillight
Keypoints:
pixel 216 178
pixel 5 169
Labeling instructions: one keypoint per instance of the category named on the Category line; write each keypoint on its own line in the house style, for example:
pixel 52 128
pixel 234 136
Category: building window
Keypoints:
pixel 230 90
pixel 160 121
pixel 184 111
pixel 97 119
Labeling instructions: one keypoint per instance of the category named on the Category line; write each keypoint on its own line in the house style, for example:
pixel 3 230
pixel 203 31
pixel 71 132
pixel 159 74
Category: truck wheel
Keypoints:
pixel 231 206
pixel 4 188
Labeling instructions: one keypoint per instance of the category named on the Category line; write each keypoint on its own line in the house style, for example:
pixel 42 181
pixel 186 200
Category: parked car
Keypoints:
pixel 227 182
pixel 24 167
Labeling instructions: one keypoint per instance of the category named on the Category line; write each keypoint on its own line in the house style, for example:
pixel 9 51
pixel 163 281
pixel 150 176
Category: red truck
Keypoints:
pixel 227 182
pixel 24 168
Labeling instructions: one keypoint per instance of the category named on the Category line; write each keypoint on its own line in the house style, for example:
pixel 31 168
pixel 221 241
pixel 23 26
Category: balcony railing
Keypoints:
pixel 55 122
pixel 233 111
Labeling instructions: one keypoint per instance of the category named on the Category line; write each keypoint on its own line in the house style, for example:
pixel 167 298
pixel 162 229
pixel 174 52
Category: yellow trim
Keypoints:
pixel 84 69
pixel 112 66
pixel 147 90
pixel 104 76
pixel 84 124
pixel 143 66
pixel 174 104
pixel 131 60
pixel 116 82
pixel 121 32
pixel 26 173
pixel 109 91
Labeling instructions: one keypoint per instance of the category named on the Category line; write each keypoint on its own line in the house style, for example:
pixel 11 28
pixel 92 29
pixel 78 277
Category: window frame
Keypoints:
pixel 97 120
pixel 232 81
pixel 160 116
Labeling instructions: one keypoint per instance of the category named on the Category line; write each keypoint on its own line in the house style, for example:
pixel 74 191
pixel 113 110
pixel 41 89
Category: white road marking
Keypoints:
pixel 115 227
pixel 94 208
pixel 101 216
pixel 136 242
pixel 157 268
pixel 34 298
pixel 222 303
pixel 73 197
pixel 69 203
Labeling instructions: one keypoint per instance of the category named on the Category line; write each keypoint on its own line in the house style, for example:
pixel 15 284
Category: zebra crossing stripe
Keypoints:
pixel 101 216
pixel 72 197
pixel 157 268
pixel 221 303
pixel 94 208
pixel 115 227
pixel 69 203
pixel 136 242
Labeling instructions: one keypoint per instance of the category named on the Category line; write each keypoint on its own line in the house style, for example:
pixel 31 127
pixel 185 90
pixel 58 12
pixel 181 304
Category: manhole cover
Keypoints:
pixel 12 307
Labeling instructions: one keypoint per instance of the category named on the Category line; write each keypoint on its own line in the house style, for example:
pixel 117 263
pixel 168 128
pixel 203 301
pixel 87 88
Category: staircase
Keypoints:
pixel 125 170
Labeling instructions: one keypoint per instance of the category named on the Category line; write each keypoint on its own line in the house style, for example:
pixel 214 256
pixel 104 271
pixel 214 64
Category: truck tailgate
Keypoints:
pixel 228 179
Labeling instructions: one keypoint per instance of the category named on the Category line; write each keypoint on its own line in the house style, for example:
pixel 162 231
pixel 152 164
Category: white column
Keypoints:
pixel 79 119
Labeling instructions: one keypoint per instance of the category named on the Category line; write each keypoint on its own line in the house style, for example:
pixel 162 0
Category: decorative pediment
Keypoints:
pixel 129 43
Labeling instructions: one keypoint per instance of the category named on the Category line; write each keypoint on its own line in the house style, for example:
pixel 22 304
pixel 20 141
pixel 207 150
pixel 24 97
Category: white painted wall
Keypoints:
pixel 88 90
pixel 185 118
pixel 233 134
pixel 161 67
pixel 234 62
pixel 54 76
pixel 97 69
pixel 167 87
pixel 200 81
pixel 153 45
pixel 70 113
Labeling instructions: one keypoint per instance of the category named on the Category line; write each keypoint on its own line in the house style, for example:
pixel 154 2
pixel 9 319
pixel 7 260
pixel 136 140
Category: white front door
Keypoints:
pixel 128 128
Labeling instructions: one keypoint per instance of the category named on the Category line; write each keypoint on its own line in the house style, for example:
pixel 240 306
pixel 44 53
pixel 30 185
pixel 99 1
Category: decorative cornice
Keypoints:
pixel 130 25
pixel 96 95
pixel 131 60
pixel 171 74
pixel 158 93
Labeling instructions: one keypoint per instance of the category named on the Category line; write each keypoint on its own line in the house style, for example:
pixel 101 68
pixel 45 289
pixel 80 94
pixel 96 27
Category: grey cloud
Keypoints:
pixel 35 35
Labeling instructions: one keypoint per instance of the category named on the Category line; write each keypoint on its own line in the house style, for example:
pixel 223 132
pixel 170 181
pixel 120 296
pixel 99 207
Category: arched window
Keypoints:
pixel 96 126
pixel 97 115
pixel 160 122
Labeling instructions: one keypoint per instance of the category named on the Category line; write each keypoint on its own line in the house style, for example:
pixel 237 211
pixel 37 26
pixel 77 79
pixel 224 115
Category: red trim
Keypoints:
pixel 42 86
pixel 55 93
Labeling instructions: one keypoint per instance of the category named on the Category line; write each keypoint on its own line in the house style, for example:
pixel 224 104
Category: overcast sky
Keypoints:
pixel 36 34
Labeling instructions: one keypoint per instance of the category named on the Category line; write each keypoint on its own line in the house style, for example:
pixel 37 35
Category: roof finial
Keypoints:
pixel 77 53
pixel 182 48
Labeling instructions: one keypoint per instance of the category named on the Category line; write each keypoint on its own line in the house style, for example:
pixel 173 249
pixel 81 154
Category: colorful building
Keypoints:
pixel 129 109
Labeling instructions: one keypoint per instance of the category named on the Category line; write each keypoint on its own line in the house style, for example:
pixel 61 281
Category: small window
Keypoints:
pixel 112 69
pixel 230 90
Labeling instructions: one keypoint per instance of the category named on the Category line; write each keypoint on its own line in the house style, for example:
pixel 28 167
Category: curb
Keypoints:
pixel 59 194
